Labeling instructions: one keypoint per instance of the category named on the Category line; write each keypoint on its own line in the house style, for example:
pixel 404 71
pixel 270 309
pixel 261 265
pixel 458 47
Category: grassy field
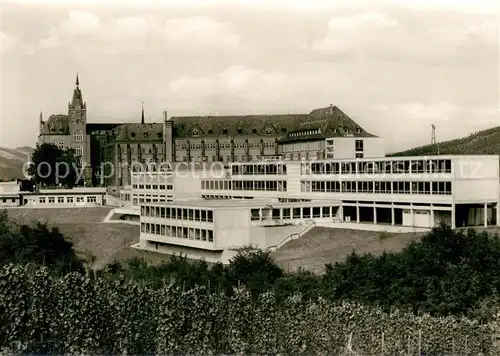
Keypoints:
pixel 327 245
pixel 99 242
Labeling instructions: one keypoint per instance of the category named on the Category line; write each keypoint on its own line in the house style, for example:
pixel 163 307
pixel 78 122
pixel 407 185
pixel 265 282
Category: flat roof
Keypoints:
pixel 242 203
pixel 366 159
pixel 92 190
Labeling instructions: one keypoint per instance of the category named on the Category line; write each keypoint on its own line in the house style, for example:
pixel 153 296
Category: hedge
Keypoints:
pixel 81 314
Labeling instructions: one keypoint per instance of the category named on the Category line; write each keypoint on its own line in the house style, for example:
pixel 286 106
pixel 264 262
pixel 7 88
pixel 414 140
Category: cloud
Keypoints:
pixel 346 33
pixel 374 36
pixel 135 33
pixel 199 31
pixel 409 124
pixel 11 44
pixel 234 82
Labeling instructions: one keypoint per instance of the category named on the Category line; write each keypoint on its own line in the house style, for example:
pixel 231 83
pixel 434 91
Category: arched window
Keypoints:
pixel 78 136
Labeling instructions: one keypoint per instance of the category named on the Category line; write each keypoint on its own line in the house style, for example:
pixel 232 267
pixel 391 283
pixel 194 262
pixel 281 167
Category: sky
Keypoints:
pixel 395 67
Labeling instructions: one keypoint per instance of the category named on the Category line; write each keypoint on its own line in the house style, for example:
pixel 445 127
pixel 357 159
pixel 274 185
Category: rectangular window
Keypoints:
pixel 41 200
pixel 359 145
pixel 52 200
pixel 60 200
pixel 69 199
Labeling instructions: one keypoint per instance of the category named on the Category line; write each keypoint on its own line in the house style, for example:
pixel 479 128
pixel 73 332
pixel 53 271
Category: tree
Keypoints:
pixel 52 166
pixel 37 245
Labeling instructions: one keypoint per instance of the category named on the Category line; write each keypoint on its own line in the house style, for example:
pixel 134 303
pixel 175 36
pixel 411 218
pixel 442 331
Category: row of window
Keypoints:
pixel 143 150
pixel 259 169
pixel 178 232
pixel 384 187
pixel 270 186
pixel 202 215
pixel 62 199
pixel 158 199
pixel 302 146
pixel 153 186
pixel 224 146
pixel 221 158
pixel 389 167
pixel 305 133
pixel 297 213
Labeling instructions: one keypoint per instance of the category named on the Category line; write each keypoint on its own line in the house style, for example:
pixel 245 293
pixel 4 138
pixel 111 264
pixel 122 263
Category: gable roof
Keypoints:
pixel 330 121
pixel 151 132
pixel 56 125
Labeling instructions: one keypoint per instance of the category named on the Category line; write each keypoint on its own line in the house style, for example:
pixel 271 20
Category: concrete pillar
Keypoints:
pixel 357 213
pixel 341 213
pixel 453 225
pixel 393 217
pixel 485 215
pixel 281 213
pixel 432 217
pixel 374 215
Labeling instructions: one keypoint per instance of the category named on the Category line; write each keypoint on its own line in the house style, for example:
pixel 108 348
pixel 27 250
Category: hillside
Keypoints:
pixel 481 142
pixel 11 162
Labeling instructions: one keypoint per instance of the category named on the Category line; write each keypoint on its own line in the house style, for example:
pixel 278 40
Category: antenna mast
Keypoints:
pixel 433 137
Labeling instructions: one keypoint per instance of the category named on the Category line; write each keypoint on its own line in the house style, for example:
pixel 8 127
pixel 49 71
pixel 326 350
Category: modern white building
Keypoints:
pixel 238 207
pixel 64 198
pixel 405 191
pixel 9 194
pixel 217 229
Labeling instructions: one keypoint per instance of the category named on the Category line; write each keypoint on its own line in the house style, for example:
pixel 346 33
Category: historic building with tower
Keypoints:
pixel 323 133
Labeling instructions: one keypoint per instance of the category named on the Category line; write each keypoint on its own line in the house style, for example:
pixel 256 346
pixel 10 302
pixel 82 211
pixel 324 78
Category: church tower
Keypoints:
pixel 77 113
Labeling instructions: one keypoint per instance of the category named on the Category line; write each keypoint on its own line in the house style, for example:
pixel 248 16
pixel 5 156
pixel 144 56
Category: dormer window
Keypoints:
pixel 145 135
pixel 358 130
pixel 224 132
pixel 132 134
pixel 239 131
pixel 269 131
pixel 347 130
pixel 334 130
pixel 210 131
pixel 195 132
pixel 254 130
pixel 159 134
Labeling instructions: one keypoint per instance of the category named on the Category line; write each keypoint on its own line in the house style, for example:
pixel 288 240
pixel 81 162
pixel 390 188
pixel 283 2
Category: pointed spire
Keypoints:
pixel 41 116
pixel 77 81
pixel 142 116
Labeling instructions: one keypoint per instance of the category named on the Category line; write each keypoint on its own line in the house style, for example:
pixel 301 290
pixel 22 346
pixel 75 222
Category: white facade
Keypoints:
pixel 9 194
pixel 342 147
pixel 406 191
pixel 149 187
pixel 354 147
pixel 61 198
pixel 218 226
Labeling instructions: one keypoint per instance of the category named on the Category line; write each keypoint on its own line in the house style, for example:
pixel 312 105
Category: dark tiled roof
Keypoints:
pixel 151 132
pixel 330 121
pixel 56 125
pixel 229 126
pixel 100 127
